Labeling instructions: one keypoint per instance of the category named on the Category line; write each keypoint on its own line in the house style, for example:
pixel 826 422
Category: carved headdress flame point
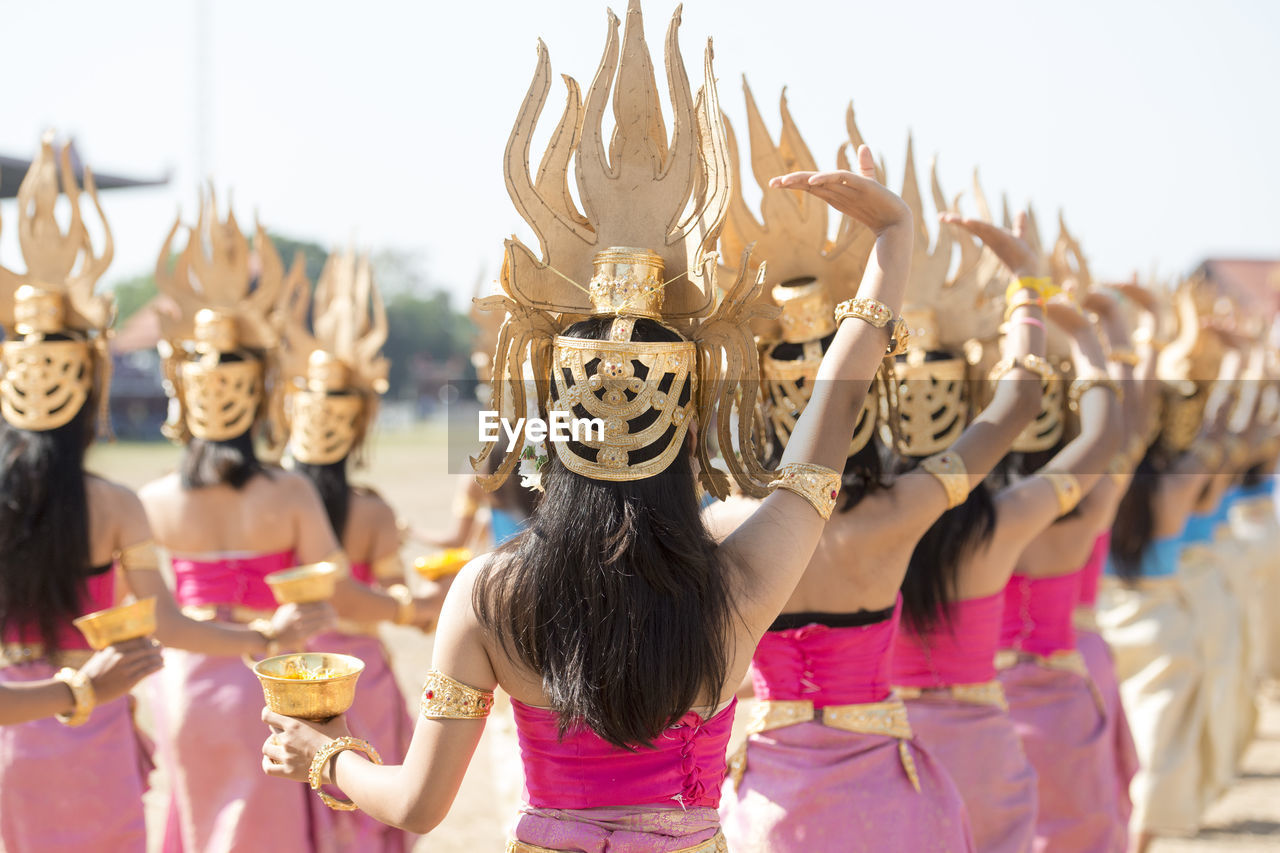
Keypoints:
pixel 665 197
pixel 219 346
pixel 44 383
pixel 336 373
pixel 809 271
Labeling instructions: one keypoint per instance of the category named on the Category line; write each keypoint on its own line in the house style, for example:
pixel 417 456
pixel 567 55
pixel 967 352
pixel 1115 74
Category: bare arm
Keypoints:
pixel 112 673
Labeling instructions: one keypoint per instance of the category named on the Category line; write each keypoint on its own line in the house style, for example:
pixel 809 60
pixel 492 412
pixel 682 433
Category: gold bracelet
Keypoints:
pixel 1124 356
pixel 81 693
pixel 325 754
pixel 1080 386
pixel 444 698
pixel 816 484
pixel 1066 487
pixel 899 340
pixel 1034 363
pixel 1042 286
pixel 407 609
pixel 1210 453
pixel 868 310
pixel 948 469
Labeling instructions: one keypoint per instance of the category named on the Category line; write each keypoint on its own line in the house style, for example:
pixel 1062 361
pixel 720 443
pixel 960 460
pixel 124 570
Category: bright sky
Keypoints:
pixel 1154 125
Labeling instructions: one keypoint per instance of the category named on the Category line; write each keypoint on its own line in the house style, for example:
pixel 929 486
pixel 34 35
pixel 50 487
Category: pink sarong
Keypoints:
pixel 69 790
pixel 611 830
pixel 1102 669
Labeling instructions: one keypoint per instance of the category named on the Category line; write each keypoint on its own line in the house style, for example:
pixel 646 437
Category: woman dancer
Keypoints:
pixel 227 520
pixel 1146 620
pixel 616 623
pixel 830 761
pixel 337 374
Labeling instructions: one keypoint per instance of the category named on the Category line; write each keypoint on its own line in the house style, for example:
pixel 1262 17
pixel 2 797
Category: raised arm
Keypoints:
pixel 773 547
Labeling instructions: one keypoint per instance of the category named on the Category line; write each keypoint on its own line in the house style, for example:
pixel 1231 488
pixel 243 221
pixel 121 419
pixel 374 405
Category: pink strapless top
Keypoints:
pixel 230 579
pixel 1037 613
pixel 829 666
pixel 685 767
pixel 362 572
pixel 99 594
pixel 961 651
pixel 1091 574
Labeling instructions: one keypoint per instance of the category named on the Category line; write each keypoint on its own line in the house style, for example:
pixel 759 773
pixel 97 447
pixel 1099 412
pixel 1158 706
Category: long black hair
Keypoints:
pixel 232 462
pixel 614 594
pixel 44 525
pixel 335 492
pixel 1135 522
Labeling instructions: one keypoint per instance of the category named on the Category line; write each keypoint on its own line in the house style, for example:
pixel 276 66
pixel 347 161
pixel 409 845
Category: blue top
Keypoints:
pixel 504 525
pixel 1160 560
pixel 1200 526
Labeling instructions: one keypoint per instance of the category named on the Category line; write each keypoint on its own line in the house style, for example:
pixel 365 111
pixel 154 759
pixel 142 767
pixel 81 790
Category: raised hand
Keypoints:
pixel 1011 247
pixel 858 195
pixel 116 669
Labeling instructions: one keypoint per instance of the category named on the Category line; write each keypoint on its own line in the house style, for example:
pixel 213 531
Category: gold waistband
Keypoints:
pixel 17 654
pixel 715 844
pixel 888 719
pixel 237 613
pixel 1085 619
pixel 984 693
pixel 1063 660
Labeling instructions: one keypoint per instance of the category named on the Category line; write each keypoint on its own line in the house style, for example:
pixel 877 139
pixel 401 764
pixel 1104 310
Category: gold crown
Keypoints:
pixel 334 369
pixel 45 383
pixel 667 196
pixel 224 292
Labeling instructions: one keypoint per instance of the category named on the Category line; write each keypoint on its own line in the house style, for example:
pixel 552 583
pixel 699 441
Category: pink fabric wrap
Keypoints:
pixel 1065 737
pixel 378 715
pixel 685 767
pixel 362 572
pixel 959 651
pixel 1119 739
pixel 1091 574
pixel 979 748
pixel 68 790
pixel 99 594
pixel 1038 613
pixel 611 830
pixel 228 580
pixel 809 787
pixel 828 666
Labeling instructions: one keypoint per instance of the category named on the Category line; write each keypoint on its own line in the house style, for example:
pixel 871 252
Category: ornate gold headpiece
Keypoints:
pixel 810 272
pixel 219 346
pixel 43 382
pixel 1187 366
pixel 944 313
pixel 335 375
pixel 667 197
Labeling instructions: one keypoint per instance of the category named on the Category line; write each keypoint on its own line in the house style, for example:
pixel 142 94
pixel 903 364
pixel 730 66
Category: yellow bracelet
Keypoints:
pixel 1079 387
pixel 816 484
pixel 326 753
pixel 1037 365
pixel 407 610
pixel 949 470
pixel 1039 285
pixel 1066 487
pixel 81 693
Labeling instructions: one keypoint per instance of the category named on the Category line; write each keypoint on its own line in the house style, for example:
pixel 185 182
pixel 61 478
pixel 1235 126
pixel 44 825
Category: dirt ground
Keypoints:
pixel 407 468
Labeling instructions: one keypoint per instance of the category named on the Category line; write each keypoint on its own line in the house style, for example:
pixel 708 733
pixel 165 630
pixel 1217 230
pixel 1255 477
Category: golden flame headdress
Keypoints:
pixel 944 313
pixel 45 382
pixel 809 271
pixel 665 197
pixel 219 348
pixel 335 374
pixel 1188 365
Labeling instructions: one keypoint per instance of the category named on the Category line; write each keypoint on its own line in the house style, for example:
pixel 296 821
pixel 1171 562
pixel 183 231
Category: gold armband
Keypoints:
pixel 326 754
pixel 948 469
pixel 1081 386
pixel 1124 356
pixel 81 693
pixel 1210 453
pixel 407 610
pixel 390 567
pixel 816 484
pixel 1066 487
pixel 143 557
pixel 1034 363
pixel 443 698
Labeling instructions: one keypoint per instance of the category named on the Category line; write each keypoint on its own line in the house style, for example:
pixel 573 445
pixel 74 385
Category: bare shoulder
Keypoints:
pixel 160 490
pixel 113 499
pixel 372 510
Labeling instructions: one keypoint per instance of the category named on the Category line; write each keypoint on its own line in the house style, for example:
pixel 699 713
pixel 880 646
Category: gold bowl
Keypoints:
pixel 309 685
pixel 303 584
pixel 118 624
pixel 448 562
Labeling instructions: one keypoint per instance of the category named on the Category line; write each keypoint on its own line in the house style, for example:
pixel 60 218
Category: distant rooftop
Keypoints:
pixel 14 169
pixel 1255 280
